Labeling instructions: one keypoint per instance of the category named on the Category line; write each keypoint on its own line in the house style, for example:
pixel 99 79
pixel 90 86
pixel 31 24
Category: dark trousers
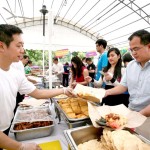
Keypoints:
pixel 19 99
pixel 65 80
pixel 113 100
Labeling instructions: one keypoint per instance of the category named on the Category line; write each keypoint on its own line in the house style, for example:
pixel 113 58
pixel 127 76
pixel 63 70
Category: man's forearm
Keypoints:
pixel 8 143
pixel 116 90
pixel 44 94
pixel 146 111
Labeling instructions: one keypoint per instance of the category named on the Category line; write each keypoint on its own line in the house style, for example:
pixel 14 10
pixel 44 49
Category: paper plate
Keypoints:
pixel 54 145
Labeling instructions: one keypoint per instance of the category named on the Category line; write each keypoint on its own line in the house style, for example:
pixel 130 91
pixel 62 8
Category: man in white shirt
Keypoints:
pixel 11 82
pixel 57 68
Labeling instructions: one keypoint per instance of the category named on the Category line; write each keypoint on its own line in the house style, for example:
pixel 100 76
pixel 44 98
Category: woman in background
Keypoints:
pixel 112 74
pixel 127 57
pixel 27 68
pixel 79 72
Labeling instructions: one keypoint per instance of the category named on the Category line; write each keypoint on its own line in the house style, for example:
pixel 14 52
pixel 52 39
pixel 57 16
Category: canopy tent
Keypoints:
pixel 113 20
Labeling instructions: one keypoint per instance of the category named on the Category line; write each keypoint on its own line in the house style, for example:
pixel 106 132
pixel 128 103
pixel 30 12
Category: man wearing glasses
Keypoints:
pixel 136 79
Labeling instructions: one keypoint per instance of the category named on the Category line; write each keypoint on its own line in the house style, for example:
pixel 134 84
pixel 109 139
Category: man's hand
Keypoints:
pixel 107 93
pixel 88 79
pixel 73 84
pixel 69 92
pixel 108 76
pixel 29 146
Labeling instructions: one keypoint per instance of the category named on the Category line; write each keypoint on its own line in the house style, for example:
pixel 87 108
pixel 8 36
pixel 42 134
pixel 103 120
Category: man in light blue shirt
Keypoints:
pixel 103 60
pixel 136 79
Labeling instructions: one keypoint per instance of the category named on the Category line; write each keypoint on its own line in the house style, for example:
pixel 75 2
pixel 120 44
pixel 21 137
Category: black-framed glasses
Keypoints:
pixel 136 49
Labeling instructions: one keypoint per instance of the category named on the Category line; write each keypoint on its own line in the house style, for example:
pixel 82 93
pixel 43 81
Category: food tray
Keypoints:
pixel 65 115
pixel 32 114
pixel 33 133
pixel 80 135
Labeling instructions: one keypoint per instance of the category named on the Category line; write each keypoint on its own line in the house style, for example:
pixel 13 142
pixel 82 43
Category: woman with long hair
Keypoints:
pixel 111 76
pixel 79 72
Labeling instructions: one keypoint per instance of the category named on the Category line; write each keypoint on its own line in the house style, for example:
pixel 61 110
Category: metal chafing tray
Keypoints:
pixel 80 135
pixel 32 133
pixel 72 123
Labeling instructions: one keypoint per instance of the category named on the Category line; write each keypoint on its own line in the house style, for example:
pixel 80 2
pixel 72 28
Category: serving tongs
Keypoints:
pixel 101 121
pixel 94 103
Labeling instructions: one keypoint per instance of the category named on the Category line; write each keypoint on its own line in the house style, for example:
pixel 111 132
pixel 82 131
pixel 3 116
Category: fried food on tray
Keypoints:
pixel 67 110
pixel 74 107
pixel 61 96
pixel 71 115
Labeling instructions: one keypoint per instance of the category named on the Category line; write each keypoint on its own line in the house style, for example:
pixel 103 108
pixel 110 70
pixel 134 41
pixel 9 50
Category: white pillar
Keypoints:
pixel 50 30
pixel 44 42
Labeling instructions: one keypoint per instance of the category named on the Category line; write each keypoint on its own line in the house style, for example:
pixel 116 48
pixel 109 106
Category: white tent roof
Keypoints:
pixel 113 20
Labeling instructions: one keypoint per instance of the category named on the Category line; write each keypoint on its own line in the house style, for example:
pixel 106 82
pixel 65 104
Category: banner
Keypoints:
pixel 91 53
pixel 61 53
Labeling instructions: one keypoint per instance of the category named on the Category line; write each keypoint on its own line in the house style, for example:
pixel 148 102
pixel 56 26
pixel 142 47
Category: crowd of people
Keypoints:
pixel 124 84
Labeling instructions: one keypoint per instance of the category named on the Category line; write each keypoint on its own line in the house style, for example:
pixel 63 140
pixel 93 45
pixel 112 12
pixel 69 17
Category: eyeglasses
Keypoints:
pixel 136 49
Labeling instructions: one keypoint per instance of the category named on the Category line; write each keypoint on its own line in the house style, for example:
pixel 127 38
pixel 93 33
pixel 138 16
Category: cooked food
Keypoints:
pixel 34 114
pixel 61 96
pixel 113 120
pixel 71 115
pixel 89 93
pixel 29 125
pixel 115 140
pixel 92 144
pixel 74 107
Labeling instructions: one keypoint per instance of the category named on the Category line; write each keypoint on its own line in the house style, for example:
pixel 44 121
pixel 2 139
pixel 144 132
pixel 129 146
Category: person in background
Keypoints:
pixel 25 60
pixel 91 68
pixel 57 69
pixel 127 57
pixel 27 68
pixel 66 74
pixel 11 49
pixel 102 62
pixel 112 74
pixel 78 72
pixel 84 61
pixel 137 75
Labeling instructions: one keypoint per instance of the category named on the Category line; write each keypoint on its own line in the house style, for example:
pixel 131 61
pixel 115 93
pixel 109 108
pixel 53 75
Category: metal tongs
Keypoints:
pixel 94 103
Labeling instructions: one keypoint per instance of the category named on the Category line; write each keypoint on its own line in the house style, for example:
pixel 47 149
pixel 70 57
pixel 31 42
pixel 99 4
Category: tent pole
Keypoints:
pixel 50 29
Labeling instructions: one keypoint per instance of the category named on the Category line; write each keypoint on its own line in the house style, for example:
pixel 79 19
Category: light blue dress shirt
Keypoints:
pixel 137 80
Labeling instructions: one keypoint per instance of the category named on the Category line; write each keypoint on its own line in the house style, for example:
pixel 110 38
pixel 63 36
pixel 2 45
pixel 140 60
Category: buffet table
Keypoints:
pixel 59 127
pixel 57 133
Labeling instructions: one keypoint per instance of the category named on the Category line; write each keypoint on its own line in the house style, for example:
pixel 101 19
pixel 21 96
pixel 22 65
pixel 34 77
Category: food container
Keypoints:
pixel 71 122
pixel 80 135
pixel 32 115
pixel 32 133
